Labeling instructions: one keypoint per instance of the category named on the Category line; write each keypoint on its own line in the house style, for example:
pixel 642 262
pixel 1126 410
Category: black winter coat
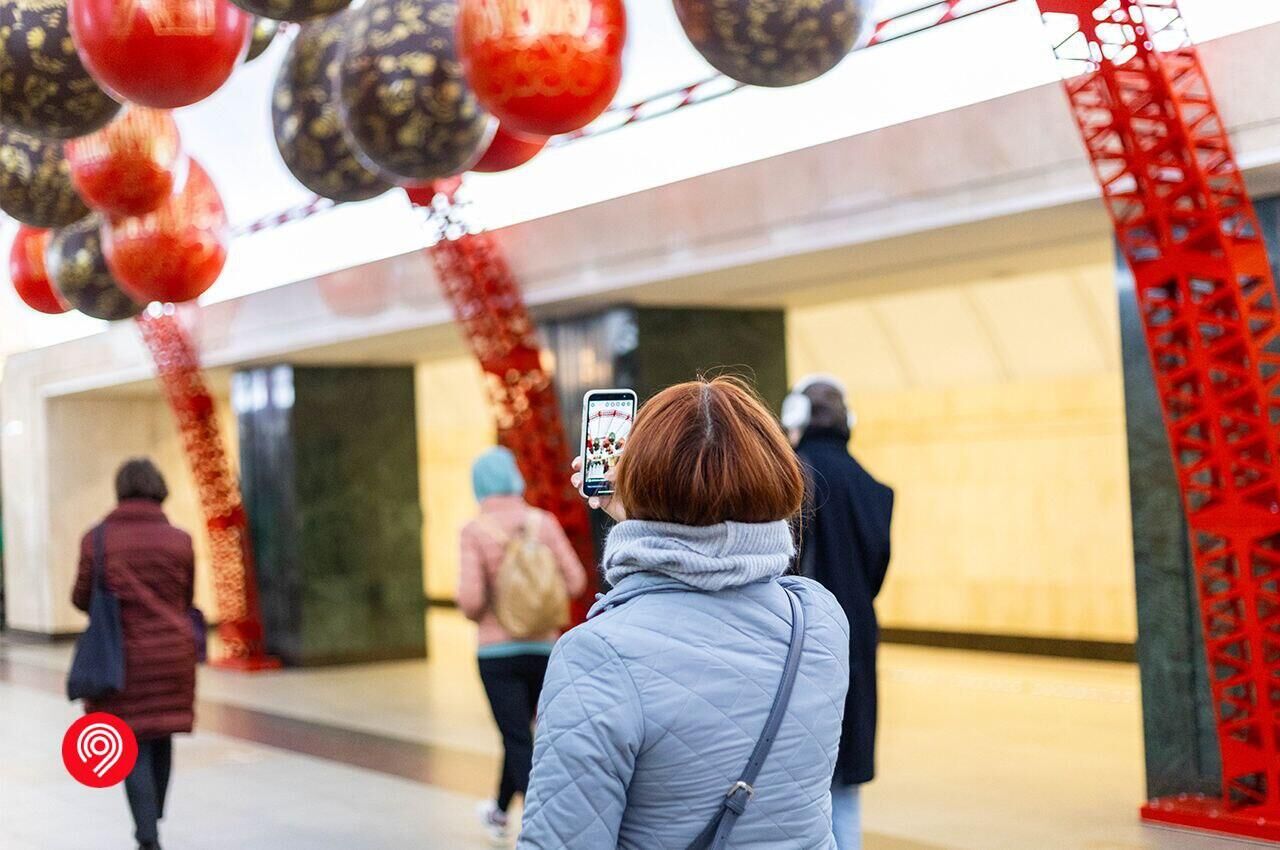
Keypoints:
pixel 845 546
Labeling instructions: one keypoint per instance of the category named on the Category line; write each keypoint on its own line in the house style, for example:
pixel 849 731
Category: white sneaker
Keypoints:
pixel 494 821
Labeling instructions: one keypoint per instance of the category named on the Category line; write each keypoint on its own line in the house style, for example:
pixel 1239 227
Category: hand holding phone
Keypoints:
pixel 607 417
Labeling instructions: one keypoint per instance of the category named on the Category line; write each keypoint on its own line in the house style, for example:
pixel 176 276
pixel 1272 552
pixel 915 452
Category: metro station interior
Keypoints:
pixel 922 222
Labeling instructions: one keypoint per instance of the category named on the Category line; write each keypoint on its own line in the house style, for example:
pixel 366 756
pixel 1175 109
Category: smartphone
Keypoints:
pixel 607 416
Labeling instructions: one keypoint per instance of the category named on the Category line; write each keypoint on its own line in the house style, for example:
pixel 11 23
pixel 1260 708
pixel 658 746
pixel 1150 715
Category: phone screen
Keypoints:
pixel 607 417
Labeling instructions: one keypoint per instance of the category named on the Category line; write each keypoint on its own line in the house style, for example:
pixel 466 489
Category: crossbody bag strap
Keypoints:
pixel 99 578
pixel 716 835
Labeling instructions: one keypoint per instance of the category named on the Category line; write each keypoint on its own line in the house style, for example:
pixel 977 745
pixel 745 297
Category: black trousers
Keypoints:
pixel 513 686
pixel 147 785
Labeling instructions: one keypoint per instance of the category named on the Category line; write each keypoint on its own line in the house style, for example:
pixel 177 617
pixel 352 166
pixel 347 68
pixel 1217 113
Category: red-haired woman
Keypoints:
pixel 654 708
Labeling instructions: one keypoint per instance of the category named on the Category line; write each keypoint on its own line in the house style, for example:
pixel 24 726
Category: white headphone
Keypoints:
pixel 797 408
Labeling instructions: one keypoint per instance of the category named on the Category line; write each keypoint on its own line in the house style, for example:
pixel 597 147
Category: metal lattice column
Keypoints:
pixel 490 309
pixel 1205 291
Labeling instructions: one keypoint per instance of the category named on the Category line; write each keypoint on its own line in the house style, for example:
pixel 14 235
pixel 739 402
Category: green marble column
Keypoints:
pixel 329 463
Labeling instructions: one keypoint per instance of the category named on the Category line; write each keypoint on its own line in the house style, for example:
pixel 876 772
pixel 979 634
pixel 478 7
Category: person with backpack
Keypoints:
pixel 699 706
pixel 517 574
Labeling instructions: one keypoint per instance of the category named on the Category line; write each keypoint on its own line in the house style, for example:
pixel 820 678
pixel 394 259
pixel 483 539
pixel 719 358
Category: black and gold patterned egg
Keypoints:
pixel 292 10
pixel 263 33
pixel 79 273
pixel 307 123
pixel 44 88
pixel 404 96
pixel 773 42
pixel 35 181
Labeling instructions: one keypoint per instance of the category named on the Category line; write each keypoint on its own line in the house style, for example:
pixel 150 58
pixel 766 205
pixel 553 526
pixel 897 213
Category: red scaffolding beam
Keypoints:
pixel 178 370
pixel 1207 297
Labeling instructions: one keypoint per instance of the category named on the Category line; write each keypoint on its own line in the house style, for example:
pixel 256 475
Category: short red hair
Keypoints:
pixel 708 452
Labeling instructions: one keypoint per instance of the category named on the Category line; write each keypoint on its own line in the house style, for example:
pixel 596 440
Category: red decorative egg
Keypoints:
pixel 28 273
pixel 543 67
pixel 176 252
pixel 128 167
pixel 160 53
pixel 509 150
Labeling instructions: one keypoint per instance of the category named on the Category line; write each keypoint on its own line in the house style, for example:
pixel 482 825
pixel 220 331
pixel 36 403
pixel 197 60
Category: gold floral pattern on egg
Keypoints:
pixel 308 127
pixel 292 10
pixel 35 181
pixel 44 88
pixel 773 42
pixel 408 107
pixel 78 269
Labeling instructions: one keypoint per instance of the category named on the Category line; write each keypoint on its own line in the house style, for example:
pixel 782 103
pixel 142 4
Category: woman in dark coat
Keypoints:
pixel 845 547
pixel 150 568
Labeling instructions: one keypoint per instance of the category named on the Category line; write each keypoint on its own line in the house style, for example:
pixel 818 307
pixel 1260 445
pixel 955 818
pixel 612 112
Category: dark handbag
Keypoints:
pixel 716 835
pixel 199 633
pixel 97 668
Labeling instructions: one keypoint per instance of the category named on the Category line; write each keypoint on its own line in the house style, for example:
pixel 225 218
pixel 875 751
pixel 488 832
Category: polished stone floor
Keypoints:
pixel 978 752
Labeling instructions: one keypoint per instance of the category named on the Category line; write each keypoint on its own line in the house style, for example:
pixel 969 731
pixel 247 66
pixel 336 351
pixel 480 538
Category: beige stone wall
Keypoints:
pixel 993 403
pixel 454 426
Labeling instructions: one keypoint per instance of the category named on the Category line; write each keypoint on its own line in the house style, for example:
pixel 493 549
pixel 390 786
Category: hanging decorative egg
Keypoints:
pixel 264 32
pixel 773 42
pixel 292 10
pixel 308 126
pixel 160 53
pixel 28 273
pixel 176 252
pixel 407 105
pixel 509 150
pixel 129 166
pixel 44 87
pixel 80 275
pixel 35 181
pixel 543 67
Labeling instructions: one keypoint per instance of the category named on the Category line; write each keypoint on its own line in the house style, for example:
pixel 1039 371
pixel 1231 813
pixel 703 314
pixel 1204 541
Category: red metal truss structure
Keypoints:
pixel 485 296
pixel 1207 298
pixel 182 380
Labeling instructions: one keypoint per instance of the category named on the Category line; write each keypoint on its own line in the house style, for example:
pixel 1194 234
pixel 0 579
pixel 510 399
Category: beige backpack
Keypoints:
pixel 529 594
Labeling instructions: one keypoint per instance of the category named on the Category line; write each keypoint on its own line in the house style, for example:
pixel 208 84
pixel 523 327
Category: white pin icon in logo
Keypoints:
pixel 102 742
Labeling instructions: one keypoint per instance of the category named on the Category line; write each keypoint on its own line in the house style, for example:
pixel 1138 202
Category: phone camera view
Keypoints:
pixel 607 429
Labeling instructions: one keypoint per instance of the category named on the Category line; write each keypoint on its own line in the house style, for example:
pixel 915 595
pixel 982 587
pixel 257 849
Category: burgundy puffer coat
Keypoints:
pixel 150 567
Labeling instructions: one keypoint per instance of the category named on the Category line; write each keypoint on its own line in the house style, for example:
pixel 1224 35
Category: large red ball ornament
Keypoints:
pixel 509 150
pixel 160 53
pixel 543 67
pixel 175 253
pixel 129 166
pixel 773 42
pixel 28 273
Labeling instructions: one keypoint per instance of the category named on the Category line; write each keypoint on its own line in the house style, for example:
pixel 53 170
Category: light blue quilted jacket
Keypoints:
pixel 651 708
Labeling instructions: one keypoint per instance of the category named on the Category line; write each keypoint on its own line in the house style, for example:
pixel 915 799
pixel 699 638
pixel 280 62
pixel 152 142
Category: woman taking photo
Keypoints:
pixel 519 611
pixel 656 710
pixel 150 568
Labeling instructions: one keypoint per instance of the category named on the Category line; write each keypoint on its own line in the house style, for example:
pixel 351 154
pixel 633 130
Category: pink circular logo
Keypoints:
pixel 99 750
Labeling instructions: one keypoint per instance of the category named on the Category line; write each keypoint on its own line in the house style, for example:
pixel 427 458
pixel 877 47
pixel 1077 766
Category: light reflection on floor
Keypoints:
pixel 978 752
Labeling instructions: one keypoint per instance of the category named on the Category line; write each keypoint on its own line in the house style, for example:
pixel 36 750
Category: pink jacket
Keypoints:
pixel 482 553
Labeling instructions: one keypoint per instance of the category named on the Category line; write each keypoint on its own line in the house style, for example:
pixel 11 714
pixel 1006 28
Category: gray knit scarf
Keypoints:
pixel 710 557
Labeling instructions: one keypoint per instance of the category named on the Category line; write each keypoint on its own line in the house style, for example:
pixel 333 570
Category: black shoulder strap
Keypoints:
pixel 716 835
pixel 100 555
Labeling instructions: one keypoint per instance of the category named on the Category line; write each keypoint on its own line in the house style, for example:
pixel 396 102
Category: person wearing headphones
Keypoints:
pixel 844 545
